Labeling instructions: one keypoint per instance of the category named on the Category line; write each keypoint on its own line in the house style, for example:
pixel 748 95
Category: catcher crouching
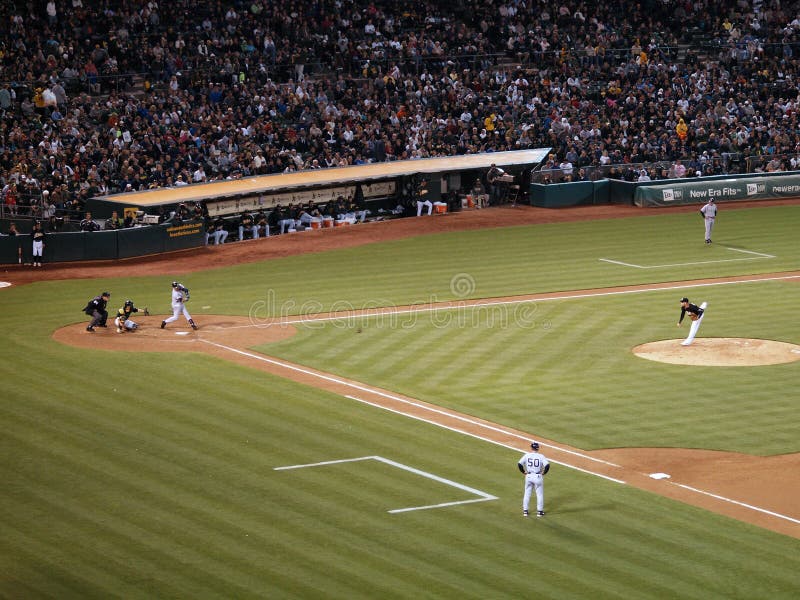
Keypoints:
pixel 123 319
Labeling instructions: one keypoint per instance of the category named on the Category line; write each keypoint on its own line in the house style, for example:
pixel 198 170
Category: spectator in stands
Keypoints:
pixel 114 221
pixel 89 224
pixel 678 169
pixel 640 86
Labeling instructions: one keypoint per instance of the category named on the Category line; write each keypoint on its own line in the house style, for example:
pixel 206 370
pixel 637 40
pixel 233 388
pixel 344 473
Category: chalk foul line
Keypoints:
pixel 756 256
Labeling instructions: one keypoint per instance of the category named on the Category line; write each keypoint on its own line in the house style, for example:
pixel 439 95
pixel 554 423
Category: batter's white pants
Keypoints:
pixel 177 309
pixel 534 483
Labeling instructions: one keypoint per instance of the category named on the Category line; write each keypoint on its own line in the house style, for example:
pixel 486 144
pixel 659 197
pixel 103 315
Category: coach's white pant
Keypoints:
pixel 38 247
pixel 709 227
pixel 533 482
pixel 421 203
pixel 695 326
pixel 177 309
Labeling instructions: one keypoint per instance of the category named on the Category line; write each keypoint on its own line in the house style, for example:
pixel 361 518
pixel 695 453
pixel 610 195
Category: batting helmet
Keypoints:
pixel 128 302
pixel 175 284
pixel 535 445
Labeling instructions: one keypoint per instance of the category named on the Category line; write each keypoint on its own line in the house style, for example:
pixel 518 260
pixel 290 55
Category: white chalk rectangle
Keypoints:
pixel 482 496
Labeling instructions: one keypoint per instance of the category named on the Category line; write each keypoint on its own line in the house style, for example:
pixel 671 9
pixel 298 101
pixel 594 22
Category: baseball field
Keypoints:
pixel 346 421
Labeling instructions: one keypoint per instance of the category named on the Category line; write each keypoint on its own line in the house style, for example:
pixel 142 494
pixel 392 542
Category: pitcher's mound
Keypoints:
pixel 720 352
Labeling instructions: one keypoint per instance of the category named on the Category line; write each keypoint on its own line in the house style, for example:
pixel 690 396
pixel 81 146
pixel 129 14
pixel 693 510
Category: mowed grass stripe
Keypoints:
pixel 677 541
pixel 178 536
pixel 163 441
pixel 165 548
pixel 186 523
pixel 76 557
pixel 335 515
pixel 45 568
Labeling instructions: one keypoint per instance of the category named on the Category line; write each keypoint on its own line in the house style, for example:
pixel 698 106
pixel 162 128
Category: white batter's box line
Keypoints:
pixel 757 256
pixel 482 496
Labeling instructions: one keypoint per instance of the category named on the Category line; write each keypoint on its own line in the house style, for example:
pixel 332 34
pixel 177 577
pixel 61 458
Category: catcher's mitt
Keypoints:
pixel 146 312
pixel 693 316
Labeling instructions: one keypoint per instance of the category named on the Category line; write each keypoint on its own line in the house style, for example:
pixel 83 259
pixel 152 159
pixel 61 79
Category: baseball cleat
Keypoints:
pixel 540 513
pixel 163 324
pixel 524 513
pixel 90 328
pixel 119 330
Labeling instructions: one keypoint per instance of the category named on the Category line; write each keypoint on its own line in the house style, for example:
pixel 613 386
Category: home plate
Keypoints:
pixel 659 475
pixel 181 333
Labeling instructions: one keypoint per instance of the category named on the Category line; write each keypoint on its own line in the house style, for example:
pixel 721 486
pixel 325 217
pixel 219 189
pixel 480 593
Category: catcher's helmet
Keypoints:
pixel 128 302
pixel 535 445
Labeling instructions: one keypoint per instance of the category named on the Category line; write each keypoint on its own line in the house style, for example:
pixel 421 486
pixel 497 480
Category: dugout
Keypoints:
pixel 380 184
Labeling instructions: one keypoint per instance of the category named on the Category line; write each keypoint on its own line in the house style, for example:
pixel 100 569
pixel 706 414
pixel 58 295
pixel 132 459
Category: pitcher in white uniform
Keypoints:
pixel 534 466
pixel 180 295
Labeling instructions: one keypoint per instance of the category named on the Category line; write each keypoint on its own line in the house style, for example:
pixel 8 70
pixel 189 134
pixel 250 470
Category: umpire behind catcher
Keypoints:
pixel 96 308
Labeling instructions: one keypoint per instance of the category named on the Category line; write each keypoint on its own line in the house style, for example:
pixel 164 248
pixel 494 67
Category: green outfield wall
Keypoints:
pixel 105 245
pixel 558 195
pixel 719 189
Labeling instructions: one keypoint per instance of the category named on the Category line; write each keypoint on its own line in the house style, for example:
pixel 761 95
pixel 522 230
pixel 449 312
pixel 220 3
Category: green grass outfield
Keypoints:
pixel 153 475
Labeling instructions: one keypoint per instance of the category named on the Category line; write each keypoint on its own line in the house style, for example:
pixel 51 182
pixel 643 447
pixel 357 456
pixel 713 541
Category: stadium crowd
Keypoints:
pixel 113 96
